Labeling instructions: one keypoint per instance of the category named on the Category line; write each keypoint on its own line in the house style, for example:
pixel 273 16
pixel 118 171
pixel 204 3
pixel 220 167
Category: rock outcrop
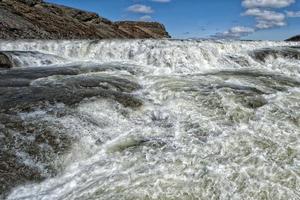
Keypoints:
pixel 5 61
pixel 35 19
pixel 294 39
pixel 142 29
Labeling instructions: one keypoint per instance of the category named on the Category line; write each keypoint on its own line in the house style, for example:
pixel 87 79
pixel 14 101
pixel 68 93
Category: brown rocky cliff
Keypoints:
pixel 142 29
pixel 35 19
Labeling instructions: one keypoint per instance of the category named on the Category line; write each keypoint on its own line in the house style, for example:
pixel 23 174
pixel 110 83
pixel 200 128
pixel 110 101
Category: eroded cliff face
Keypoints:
pixel 142 29
pixel 35 19
pixel 295 38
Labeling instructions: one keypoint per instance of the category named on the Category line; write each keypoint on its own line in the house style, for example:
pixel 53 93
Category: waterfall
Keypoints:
pixel 151 119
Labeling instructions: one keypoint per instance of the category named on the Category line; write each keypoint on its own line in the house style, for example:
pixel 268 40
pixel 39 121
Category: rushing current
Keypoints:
pixel 150 119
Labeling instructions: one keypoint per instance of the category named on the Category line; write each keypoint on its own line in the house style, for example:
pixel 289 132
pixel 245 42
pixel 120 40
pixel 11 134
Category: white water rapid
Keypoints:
pixel 217 120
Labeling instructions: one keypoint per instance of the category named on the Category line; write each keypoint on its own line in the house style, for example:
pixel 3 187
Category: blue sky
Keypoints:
pixel 244 19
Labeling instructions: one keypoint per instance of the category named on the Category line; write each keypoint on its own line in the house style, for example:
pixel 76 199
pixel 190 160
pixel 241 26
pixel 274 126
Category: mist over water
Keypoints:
pixel 153 119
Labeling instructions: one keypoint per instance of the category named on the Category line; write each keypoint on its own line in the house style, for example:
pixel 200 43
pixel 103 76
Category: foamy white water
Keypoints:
pixel 217 121
pixel 163 56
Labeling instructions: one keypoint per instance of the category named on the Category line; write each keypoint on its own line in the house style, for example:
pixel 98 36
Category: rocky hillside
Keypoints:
pixel 295 38
pixel 35 19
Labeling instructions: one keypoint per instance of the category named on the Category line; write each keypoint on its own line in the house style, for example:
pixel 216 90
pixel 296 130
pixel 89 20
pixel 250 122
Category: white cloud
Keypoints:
pixel 293 13
pixel 267 3
pixel 235 33
pixel 241 29
pixel 269 24
pixel 139 8
pixel 266 18
pixel 265 14
pixel 162 1
pixel 146 18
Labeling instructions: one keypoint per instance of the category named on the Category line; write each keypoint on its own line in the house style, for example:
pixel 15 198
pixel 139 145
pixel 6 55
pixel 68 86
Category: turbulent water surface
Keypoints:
pixel 150 119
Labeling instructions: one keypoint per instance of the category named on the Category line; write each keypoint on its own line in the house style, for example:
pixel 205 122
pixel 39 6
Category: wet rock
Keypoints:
pixel 91 80
pixel 241 88
pixel 5 61
pixel 267 79
pixel 239 60
pixel 125 143
pixel 253 101
pixel 13 173
pixel 24 88
pixel 133 142
pixel 34 140
pixel 32 73
pixel 39 72
pixel 295 47
pixel 24 98
pixel 13 82
pixel 284 52
pixel 31 58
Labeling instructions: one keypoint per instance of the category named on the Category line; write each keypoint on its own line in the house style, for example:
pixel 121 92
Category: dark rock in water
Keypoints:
pixel 72 93
pixel 15 173
pixel 22 77
pixel 5 61
pixel 14 82
pixel 284 52
pixel 268 82
pixel 24 98
pixel 295 47
pixel 30 139
pixel 239 60
pixel 254 101
pixel 28 89
pixel 21 58
pixel 239 88
pixel 35 19
pixel 294 39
